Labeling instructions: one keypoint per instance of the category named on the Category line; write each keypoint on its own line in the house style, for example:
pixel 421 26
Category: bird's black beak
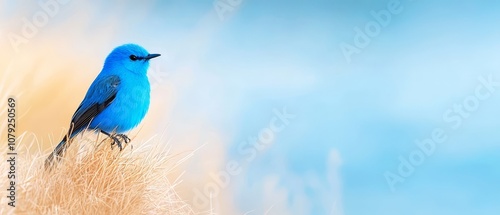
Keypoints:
pixel 150 56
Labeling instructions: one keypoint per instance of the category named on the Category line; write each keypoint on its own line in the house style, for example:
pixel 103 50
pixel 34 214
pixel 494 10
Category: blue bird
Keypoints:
pixel 116 101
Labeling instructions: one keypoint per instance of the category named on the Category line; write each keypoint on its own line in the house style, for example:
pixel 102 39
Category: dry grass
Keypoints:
pixel 98 180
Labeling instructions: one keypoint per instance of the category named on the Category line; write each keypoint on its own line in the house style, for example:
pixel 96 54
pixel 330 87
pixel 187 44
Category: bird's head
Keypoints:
pixel 131 57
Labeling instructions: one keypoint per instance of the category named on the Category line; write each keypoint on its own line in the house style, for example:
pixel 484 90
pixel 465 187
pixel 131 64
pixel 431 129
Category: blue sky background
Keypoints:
pixel 372 110
pixel 353 120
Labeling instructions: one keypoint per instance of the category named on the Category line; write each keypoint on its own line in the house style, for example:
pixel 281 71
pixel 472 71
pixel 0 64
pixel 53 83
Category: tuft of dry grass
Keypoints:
pixel 96 179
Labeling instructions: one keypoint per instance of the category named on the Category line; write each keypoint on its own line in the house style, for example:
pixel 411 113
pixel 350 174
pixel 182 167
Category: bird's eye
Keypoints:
pixel 133 57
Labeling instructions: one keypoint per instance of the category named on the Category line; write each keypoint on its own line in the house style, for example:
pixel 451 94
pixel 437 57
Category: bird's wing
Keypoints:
pixel 100 95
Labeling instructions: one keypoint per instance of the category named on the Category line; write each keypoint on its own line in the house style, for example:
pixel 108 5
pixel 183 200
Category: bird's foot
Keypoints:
pixel 116 140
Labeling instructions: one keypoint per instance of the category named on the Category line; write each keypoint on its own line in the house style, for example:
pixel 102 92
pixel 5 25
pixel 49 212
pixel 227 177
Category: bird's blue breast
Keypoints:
pixel 128 108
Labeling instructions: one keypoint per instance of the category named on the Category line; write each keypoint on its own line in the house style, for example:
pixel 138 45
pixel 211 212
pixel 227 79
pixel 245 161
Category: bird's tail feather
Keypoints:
pixel 58 152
